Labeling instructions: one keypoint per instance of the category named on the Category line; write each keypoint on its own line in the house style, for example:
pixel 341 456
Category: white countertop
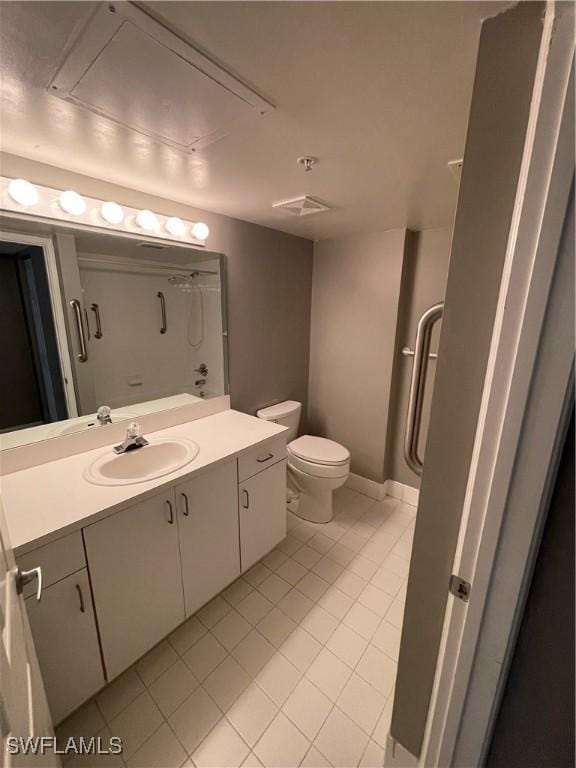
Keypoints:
pixel 45 502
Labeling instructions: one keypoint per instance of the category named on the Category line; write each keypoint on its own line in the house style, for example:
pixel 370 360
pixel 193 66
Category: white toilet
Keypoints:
pixel 316 466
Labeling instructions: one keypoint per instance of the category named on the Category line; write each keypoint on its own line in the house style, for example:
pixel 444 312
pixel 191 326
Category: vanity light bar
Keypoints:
pixel 68 207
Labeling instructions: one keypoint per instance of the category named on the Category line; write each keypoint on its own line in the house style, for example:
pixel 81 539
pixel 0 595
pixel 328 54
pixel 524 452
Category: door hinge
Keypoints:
pixel 460 588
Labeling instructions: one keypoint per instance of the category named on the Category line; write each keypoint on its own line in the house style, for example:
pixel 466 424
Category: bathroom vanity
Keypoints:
pixel 124 565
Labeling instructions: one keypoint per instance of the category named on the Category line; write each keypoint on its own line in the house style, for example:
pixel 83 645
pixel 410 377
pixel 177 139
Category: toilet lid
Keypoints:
pixel 319 450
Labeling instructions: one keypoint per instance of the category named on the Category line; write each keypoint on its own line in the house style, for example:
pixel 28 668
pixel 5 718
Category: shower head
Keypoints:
pixel 187 278
pixel 181 279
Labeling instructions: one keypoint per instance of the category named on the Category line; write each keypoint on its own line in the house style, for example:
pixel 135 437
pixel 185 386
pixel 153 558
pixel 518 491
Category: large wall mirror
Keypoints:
pixel 90 319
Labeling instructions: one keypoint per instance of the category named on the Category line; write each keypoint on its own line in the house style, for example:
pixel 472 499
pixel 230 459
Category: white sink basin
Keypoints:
pixel 162 456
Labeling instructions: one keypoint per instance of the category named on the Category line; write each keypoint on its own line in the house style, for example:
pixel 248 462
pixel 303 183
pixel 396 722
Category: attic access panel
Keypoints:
pixel 129 68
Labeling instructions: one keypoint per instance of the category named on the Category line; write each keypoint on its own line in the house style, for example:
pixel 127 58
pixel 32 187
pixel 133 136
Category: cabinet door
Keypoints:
pixel 134 564
pixel 66 641
pixel 262 504
pixel 208 527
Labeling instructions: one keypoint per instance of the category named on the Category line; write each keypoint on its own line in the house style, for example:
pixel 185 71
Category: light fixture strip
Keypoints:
pixel 69 208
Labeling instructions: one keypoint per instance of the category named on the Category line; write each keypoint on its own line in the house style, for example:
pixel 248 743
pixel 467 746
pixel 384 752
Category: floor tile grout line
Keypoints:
pixel 223 715
pixel 147 739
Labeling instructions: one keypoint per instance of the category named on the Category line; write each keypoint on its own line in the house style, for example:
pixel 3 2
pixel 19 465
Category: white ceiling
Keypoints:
pixel 378 91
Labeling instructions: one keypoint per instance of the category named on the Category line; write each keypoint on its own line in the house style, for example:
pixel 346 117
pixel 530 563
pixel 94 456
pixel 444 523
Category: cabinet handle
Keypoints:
pixel 246 498
pixel 25 577
pixel 171 511
pixel 186 507
pixel 265 458
pixel 81 598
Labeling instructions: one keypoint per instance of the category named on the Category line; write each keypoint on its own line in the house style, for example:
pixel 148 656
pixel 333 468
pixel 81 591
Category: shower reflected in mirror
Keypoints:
pixel 93 319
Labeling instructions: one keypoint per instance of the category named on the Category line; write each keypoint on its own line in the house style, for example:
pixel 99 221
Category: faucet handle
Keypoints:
pixel 134 430
pixel 103 415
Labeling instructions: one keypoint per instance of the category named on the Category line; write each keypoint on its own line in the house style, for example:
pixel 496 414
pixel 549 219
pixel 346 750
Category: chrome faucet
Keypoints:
pixel 103 415
pixel 132 440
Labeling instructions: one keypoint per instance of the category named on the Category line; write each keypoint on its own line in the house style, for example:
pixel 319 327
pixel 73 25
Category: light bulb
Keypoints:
pixel 112 213
pixel 200 230
pixel 175 226
pixel 72 203
pixel 22 192
pixel 146 220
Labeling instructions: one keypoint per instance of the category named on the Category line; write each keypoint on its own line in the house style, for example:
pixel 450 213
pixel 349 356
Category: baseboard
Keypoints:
pixel 379 491
pixel 405 493
pixel 368 487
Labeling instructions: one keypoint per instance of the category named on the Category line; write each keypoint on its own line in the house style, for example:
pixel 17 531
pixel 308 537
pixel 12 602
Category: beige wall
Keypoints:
pixel 355 295
pixel 423 284
pixel 509 46
pixel 269 276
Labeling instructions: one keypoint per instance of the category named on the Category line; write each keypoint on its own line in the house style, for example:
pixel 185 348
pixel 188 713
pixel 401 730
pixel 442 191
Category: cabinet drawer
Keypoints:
pixel 261 456
pixel 57 559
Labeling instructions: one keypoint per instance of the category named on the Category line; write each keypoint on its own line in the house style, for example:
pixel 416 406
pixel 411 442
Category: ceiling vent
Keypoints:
pixel 129 68
pixel 301 206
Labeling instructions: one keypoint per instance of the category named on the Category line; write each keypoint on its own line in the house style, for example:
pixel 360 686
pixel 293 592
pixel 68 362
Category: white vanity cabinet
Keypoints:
pixel 66 642
pixel 128 575
pixel 63 624
pixel 262 513
pixel 208 529
pixel 134 561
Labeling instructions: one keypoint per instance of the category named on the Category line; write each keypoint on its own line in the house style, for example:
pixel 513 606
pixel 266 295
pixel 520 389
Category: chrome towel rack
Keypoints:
pixel 422 355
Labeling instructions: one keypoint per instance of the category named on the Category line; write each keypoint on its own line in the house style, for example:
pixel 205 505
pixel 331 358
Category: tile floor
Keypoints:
pixel 292 665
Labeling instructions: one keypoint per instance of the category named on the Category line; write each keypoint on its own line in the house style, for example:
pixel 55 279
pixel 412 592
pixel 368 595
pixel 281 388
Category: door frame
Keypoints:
pixel 478 636
pixel 57 311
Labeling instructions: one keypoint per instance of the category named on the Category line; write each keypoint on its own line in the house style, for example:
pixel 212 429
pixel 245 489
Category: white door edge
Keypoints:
pixel 543 191
pixel 57 310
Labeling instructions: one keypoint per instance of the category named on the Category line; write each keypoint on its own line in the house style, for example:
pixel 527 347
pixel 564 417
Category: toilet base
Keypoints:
pixel 315 495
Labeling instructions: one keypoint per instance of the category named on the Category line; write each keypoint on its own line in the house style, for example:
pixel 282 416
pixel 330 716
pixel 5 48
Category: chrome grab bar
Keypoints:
pixel 407 352
pixel 417 385
pixel 96 309
pixel 83 354
pixel 164 327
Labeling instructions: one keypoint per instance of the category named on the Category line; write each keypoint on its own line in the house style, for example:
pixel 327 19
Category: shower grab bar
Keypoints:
pixel 417 385
pixel 407 352
pixel 164 326
pixel 83 354
pixel 96 309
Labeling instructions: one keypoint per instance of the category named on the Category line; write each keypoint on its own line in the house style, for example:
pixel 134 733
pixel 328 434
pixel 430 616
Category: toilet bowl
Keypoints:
pixel 316 466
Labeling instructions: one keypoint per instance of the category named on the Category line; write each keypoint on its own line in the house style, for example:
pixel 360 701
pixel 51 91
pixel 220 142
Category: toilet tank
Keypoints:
pixel 287 414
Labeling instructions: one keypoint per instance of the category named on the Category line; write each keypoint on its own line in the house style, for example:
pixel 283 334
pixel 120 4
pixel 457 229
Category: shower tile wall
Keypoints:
pixel 133 362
